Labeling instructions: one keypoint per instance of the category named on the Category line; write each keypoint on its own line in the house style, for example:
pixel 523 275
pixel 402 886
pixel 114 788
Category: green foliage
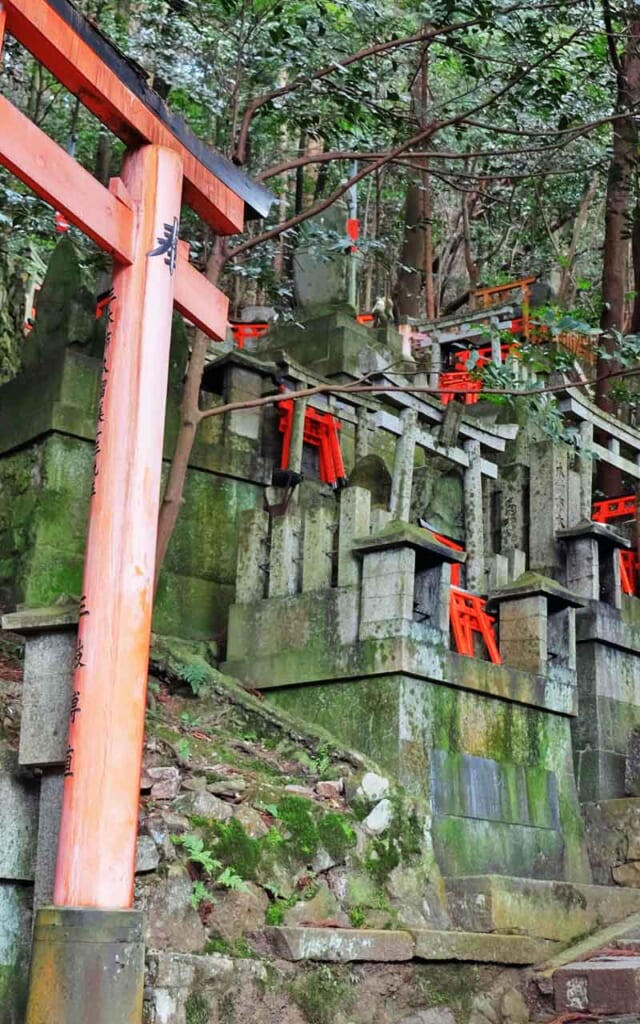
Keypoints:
pixel 271 809
pixel 199 894
pixel 183 750
pixel 231 880
pixel 197 675
pixel 274 914
pixel 274 839
pixel 240 949
pixel 197 852
pixel 198 54
pixel 358 916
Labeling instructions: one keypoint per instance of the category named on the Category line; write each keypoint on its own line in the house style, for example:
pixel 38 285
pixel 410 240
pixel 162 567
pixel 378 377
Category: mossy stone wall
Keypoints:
pixel 498 776
pixel 47 425
pixel 15 936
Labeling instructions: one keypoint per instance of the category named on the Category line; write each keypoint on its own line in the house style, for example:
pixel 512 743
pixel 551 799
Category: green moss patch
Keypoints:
pixel 322 994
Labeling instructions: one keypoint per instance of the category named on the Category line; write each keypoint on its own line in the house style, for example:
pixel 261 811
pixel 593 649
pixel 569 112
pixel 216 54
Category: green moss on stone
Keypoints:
pixel 196 1010
pixel 402 841
pixel 336 835
pixel 323 994
pixel 240 949
pixel 274 914
pixel 234 848
pixel 296 813
pixel 452 985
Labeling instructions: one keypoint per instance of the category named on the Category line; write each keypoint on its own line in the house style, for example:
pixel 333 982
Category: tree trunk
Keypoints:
pixel 634 326
pixel 427 199
pixel 618 209
pixel 618 227
pixel 190 413
pixel 567 287
pixel 473 269
pixel 409 281
pixel 429 283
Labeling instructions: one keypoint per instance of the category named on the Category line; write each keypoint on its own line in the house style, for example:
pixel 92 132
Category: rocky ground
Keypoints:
pixel 249 817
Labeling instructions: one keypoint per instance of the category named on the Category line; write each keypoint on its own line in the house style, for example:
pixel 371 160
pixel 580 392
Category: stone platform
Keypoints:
pixel 556 911
pixel 347 945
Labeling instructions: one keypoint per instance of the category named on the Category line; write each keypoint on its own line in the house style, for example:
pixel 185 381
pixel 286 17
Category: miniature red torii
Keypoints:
pixel 321 430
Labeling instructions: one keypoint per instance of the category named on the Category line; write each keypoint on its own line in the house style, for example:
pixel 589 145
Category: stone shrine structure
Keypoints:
pixel 454 611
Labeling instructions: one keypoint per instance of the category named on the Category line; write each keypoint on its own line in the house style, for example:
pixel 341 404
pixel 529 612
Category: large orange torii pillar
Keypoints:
pixel 88 952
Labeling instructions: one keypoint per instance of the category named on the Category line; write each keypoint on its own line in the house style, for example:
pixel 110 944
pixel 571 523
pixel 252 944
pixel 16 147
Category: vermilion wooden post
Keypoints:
pixel 96 854
pixel 3 22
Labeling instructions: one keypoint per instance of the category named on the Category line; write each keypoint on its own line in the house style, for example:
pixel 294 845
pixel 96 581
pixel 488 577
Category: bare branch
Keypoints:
pixel 426 34
pixel 421 136
pixel 357 388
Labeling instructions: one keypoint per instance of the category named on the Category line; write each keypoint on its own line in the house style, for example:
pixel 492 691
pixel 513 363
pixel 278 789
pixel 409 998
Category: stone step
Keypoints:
pixel 343 945
pixel 557 911
pixel 337 945
pixel 608 985
pixel 480 948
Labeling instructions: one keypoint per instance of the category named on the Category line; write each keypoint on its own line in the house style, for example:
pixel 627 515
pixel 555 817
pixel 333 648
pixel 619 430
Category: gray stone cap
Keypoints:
pixel 88 924
pixel 398 534
pixel 597 531
pixel 471 316
pixel 42 620
pixel 238 357
pixel 532 584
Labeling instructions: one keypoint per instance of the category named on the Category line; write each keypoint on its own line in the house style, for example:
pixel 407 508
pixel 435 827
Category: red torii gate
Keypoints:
pixel 136 220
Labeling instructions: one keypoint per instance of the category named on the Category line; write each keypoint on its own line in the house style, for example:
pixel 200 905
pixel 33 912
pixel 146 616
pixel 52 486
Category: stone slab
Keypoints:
pixel 612 832
pixel 610 985
pixel 51 786
pixel 478 787
pixel 18 827
pixel 35 620
pixel 614 935
pixel 339 945
pixel 261 650
pixel 492 949
pixel 46 697
pixel 559 911
pixel 464 845
pixel 15 934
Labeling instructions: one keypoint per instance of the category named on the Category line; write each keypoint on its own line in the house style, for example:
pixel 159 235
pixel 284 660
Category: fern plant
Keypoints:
pixel 197 675
pixel 232 880
pixel 197 852
pixel 199 894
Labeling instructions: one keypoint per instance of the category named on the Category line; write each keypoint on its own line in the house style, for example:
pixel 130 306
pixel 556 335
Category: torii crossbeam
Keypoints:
pixel 136 220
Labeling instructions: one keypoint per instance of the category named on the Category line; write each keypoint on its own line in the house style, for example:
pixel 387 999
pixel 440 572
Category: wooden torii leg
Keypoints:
pixel 96 854
pixel 3 22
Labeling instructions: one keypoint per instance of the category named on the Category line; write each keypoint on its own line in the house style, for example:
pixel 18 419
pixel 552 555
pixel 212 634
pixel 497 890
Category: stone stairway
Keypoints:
pixel 349 945
pixel 608 984
pixel 494 919
pixel 600 977
pixel 553 911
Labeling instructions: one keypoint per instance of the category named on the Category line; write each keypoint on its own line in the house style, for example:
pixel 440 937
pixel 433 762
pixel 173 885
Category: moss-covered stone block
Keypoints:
pixel 497 775
pixel 47 426
pixel 333 344
pixel 15 933
pixel 190 606
pixel 205 539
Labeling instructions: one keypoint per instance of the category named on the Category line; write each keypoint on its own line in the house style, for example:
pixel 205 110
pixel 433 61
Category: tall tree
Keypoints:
pixel 620 185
